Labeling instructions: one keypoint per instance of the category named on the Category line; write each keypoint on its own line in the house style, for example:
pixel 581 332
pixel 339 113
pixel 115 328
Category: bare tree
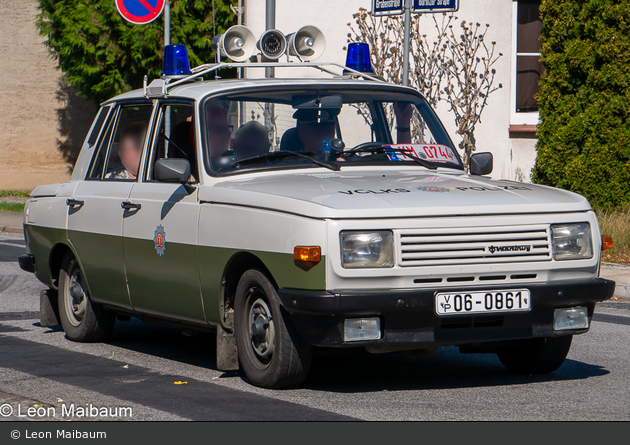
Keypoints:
pixel 457 69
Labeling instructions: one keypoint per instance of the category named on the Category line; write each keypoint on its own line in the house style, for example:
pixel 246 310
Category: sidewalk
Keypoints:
pixel 620 274
pixel 11 222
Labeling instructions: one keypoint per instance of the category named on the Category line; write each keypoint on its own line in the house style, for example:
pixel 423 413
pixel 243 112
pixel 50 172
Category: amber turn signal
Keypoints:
pixel 307 253
pixel 606 242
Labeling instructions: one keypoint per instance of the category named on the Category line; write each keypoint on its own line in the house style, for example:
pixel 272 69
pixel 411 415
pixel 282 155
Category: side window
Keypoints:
pixel 174 138
pixel 98 160
pixel 120 150
pixel 98 124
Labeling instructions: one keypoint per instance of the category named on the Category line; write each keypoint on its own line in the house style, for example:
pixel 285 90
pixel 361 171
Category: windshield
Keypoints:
pixel 314 128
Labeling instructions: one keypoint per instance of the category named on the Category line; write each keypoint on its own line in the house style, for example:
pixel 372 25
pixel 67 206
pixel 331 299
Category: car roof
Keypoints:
pixel 198 89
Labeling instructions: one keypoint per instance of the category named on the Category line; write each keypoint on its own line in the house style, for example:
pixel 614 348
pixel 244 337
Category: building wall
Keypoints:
pixel 42 121
pixel 514 153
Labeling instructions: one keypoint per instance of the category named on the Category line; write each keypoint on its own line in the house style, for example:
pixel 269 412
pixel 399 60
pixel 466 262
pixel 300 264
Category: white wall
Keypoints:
pixel 511 154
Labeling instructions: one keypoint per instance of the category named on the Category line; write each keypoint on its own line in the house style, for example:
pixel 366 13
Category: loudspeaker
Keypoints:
pixel 237 43
pixel 308 43
pixel 272 44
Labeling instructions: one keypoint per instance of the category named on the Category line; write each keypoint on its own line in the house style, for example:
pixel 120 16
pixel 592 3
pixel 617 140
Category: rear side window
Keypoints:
pixel 98 124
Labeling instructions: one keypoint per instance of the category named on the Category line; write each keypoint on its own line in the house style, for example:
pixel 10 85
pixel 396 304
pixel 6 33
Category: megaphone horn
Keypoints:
pixel 272 44
pixel 308 43
pixel 238 43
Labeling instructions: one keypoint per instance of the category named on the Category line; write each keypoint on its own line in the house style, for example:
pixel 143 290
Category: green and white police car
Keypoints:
pixel 291 213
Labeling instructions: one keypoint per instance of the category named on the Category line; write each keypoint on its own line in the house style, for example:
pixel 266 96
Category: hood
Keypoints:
pixel 385 193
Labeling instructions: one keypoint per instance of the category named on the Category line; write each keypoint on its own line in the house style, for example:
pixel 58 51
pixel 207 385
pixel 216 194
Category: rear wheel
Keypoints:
pixel 82 320
pixel 536 355
pixel 270 351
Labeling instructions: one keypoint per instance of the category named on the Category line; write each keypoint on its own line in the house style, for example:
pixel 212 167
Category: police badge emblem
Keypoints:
pixel 159 238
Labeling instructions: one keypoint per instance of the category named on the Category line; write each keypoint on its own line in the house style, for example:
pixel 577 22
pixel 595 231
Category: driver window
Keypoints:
pixel 175 138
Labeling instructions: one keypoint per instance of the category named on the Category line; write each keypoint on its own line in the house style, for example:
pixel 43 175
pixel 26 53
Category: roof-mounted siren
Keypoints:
pixel 308 43
pixel 358 58
pixel 176 61
pixel 272 44
pixel 237 43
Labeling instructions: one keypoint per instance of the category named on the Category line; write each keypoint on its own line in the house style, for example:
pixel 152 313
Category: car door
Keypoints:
pixel 160 236
pixel 95 211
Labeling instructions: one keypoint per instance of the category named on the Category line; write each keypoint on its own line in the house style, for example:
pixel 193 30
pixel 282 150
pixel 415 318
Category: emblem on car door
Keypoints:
pixel 159 238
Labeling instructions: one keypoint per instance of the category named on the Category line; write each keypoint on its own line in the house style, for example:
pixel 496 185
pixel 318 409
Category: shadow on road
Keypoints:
pixel 353 370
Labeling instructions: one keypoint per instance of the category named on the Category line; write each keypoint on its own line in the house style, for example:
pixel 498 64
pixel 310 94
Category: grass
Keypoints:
pixel 17 193
pixel 12 207
pixel 616 223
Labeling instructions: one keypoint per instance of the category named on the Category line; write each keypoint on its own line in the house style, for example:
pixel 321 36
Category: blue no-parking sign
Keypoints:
pixel 140 12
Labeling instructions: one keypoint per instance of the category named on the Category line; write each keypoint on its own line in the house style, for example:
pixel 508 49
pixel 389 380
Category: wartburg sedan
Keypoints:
pixel 287 214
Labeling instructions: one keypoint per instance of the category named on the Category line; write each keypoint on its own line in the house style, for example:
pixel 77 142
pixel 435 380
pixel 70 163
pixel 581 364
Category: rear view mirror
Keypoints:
pixel 172 170
pixel 314 102
pixel 481 164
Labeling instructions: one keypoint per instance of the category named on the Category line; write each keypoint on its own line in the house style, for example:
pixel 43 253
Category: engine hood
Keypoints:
pixel 383 193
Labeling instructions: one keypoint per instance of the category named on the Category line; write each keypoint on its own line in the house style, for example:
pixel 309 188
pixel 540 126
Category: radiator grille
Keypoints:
pixel 504 244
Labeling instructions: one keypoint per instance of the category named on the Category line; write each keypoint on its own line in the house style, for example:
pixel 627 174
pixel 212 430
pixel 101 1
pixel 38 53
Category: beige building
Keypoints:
pixel 42 121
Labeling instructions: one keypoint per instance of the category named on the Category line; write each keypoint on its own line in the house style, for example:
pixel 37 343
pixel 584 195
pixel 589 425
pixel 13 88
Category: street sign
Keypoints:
pixel 434 6
pixel 140 12
pixel 387 7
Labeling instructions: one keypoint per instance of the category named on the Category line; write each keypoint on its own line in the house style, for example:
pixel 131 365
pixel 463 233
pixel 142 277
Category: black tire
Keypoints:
pixel 81 319
pixel 536 355
pixel 270 351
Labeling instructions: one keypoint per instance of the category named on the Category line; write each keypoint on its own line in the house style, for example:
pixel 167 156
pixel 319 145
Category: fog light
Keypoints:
pixel 570 318
pixel 359 329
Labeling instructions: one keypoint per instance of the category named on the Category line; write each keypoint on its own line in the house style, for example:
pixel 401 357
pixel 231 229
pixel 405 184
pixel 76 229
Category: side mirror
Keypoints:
pixel 481 164
pixel 172 170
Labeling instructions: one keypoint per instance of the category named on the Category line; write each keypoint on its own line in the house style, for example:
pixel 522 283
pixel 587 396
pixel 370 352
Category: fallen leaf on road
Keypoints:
pixel 180 383
pixel 37 405
pixel 214 378
pixel 59 400
pixel 126 366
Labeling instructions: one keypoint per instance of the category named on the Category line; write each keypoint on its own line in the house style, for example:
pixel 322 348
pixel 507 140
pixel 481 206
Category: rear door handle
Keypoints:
pixel 128 205
pixel 75 202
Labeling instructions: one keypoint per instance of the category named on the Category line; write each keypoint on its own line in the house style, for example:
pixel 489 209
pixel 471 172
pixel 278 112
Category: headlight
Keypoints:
pixel 571 241
pixel 367 249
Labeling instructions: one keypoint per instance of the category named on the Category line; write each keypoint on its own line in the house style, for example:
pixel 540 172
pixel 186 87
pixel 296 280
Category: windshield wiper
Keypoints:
pixel 286 154
pixel 384 148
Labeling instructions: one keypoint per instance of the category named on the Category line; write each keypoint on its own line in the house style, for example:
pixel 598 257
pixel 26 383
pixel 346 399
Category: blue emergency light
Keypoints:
pixel 358 57
pixel 176 60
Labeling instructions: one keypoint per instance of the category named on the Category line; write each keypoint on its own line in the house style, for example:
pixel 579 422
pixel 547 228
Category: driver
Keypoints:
pixel 314 126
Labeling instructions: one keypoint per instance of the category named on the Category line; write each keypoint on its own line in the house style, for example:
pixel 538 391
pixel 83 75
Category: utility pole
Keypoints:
pixel 405 79
pixel 270 23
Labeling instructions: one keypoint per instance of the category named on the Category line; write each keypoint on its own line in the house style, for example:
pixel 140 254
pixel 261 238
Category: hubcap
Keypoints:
pixel 261 328
pixel 76 301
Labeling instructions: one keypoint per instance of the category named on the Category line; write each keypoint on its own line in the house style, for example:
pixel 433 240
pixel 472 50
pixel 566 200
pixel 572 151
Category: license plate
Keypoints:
pixel 480 302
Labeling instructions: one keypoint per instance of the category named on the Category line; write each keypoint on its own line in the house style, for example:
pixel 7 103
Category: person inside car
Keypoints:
pixel 252 139
pixel 219 132
pixel 129 151
pixel 314 126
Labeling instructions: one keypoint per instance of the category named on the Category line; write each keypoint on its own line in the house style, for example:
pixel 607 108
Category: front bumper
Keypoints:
pixel 408 318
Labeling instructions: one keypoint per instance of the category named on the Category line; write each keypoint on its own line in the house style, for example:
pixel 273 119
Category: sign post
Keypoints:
pixel 397 7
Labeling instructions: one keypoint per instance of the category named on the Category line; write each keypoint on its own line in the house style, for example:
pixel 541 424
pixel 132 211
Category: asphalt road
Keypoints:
pixel 139 365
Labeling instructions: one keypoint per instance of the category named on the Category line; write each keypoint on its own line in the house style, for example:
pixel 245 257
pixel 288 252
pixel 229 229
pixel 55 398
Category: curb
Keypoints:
pixel 12 229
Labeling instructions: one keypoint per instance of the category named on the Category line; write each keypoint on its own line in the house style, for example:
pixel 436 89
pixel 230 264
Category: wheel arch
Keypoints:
pixel 236 266
pixel 57 254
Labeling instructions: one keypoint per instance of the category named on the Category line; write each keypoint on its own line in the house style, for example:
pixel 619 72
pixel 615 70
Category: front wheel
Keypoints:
pixel 536 355
pixel 270 351
pixel 81 319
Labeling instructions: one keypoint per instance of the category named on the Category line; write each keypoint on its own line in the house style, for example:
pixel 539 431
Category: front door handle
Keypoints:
pixel 75 202
pixel 128 205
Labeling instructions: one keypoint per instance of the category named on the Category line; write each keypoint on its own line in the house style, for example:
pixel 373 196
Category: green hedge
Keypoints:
pixel 102 54
pixel 584 99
